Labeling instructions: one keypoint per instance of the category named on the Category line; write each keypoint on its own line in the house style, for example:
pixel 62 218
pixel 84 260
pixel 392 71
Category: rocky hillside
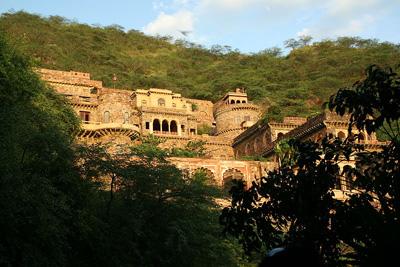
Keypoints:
pixel 292 84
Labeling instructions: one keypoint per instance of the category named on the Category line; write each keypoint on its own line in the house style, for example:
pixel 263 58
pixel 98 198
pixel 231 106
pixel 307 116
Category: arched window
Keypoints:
pixel 156 125
pixel 280 135
pixel 161 102
pixel 244 101
pixel 230 175
pixel 247 149
pixel 144 102
pixel 165 126
pixel 126 117
pixel 361 138
pixel 257 144
pixel 237 101
pixel 232 101
pixel 174 127
pixel 106 117
pixel 341 135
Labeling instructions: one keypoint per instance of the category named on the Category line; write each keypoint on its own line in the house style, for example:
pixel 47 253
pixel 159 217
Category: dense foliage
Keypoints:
pixel 294 207
pixel 66 205
pixel 293 84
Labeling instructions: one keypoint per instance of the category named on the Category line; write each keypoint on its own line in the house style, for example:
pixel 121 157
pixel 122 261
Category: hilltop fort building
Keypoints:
pixel 121 116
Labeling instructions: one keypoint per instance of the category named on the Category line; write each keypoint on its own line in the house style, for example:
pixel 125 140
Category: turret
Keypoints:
pixel 234 113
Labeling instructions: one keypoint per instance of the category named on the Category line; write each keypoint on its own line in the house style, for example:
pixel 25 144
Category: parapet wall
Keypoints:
pixel 72 77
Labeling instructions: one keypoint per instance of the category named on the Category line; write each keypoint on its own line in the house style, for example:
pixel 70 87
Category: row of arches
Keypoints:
pixel 237 102
pixel 227 178
pixel 361 137
pixel 165 126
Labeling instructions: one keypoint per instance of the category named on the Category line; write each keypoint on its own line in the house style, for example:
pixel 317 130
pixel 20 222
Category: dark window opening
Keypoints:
pixel 174 127
pixel 183 128
pixel 147 125
pixel 85 116
pixel 93 90
pixel 156 125
pixel 232 101
pixel 165 126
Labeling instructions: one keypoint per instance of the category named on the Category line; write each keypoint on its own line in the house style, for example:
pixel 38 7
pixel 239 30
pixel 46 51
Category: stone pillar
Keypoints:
pixel 178 125
pixel 151 126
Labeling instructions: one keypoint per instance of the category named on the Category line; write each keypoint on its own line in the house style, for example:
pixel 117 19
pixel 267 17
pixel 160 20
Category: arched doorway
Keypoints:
pixel 165 126
pixel 174 127
pixel 279 136
pixel 156 125
pixel 209 175
pixel 341 135
pixel 229 176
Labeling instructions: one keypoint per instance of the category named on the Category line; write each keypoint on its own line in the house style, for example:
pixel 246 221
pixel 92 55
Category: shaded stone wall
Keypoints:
pixel 220 169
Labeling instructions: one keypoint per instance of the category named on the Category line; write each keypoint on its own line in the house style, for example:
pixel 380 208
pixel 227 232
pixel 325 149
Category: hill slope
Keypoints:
pixel 295 84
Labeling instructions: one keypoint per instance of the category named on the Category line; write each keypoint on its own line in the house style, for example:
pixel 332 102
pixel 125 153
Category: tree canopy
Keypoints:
pixel 64 204
pixel 294 206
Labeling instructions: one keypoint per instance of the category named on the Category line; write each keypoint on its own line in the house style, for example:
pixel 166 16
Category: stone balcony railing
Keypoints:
pixel 94 126
pixel 164 110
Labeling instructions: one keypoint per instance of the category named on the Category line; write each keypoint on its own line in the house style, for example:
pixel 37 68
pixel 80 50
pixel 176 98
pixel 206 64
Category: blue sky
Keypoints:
pixel 249 25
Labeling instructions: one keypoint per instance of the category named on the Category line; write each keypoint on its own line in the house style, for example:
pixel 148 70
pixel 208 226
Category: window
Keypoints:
pixel 126 117
pixel 85 98
pixel 147 125
pixel 165 126
pixel 183 128
pixel 244 101
pixel 237 101
pixel 106 117
pixel 193 131
pixel 174 127
pixel 174 105
pixel 85 116
pixel 161 102
pixel 93 90
pixel 156 125
pixel 232 101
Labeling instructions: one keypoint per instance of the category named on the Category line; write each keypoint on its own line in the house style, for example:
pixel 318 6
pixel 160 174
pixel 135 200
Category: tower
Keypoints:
pixel 234 113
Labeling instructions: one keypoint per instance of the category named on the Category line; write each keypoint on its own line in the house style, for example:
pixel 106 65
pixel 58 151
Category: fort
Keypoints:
pixel 235 129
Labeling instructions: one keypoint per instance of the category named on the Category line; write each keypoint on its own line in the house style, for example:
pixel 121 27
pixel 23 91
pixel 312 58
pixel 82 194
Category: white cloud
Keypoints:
pixel 231 21
pixel 172 25
pixel 348 7
pixel 304 32
pixel 227 4
pixel 355 26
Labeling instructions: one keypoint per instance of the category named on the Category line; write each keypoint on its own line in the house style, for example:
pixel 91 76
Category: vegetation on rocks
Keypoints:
pixel 293 84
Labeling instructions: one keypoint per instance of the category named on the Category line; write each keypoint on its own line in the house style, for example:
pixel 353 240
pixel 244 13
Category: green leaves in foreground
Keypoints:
pixel 294 206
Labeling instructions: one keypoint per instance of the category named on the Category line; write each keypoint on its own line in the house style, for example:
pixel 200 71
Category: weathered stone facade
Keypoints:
pixel 120 116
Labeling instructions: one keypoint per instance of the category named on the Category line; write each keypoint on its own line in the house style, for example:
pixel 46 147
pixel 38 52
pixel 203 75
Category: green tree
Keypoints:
pixel 155 215
pixel 294 206
pixel 43 202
